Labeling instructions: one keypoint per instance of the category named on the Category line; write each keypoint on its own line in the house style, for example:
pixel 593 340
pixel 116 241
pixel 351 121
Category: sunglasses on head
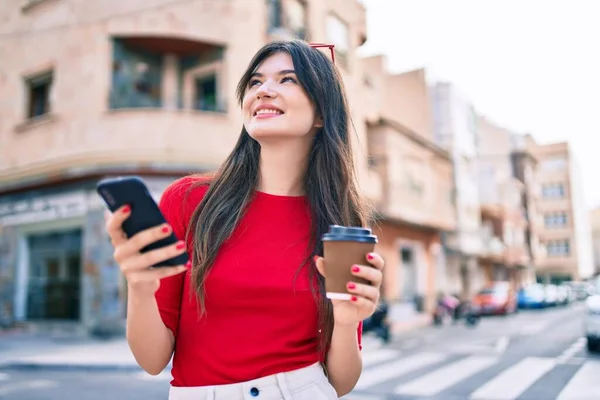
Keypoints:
pixel 322 45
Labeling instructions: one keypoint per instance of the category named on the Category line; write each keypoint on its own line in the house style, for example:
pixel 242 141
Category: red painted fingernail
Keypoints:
pixel 188 264
pixel 355 269
pixel 370 256
pixel 315 258
pixel 353 298
pixel 126 209
pixel 180 245
pixel 351 286
pixel 165 229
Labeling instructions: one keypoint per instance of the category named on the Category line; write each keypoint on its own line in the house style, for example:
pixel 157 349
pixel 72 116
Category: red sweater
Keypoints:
pixel 259 320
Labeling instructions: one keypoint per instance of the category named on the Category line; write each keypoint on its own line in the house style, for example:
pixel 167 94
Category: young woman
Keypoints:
pixel 248 317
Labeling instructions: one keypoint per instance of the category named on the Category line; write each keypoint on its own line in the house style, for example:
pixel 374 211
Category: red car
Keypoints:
pixel 498 298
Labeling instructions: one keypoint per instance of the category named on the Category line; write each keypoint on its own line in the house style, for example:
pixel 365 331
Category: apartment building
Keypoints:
pixel 595 225
pixel 416 205
pixel 456 131
pixel 505 253
pixel 525 169
pixel 96 89
pixel 565 232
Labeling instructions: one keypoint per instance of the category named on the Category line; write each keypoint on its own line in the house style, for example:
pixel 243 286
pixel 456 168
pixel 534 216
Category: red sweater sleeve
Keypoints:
pixel 177 205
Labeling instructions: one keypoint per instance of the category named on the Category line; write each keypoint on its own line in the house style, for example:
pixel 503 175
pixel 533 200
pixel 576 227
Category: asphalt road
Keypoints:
pixel 534 355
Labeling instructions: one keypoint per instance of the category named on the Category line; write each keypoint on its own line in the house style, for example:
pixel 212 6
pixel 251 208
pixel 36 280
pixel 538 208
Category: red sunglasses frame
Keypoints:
pixel 323 45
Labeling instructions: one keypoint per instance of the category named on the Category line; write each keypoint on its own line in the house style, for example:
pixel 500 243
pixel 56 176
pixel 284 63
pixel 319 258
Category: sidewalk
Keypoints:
pixel 417 322
pixel 23 350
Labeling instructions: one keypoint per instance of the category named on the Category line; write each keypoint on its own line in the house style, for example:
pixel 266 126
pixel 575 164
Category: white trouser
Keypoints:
pixel 309 383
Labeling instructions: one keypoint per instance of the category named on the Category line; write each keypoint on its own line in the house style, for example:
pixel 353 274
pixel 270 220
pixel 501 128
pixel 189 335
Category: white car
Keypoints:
pixel 592 322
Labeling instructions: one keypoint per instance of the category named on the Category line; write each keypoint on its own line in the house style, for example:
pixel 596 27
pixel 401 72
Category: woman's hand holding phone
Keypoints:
pixel 136 266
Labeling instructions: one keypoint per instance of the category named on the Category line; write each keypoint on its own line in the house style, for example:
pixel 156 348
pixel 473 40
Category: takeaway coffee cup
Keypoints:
pixel 344 247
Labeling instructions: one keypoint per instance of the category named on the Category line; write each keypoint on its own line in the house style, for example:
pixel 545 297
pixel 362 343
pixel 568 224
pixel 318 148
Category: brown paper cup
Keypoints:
pixel 344 247
pixel 339 259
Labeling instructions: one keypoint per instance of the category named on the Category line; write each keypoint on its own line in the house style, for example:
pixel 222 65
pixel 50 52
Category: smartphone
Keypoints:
pixel 131 190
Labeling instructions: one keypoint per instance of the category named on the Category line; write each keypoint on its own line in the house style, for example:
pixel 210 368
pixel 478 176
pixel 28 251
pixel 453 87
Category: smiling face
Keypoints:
pixel 275 104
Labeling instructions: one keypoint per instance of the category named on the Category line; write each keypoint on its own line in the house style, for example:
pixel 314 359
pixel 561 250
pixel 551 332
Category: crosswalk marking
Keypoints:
pixel 397 368
pixel 378 356
pixel 566 355
pixel 584 385
pixel 443 378
pixel 513 381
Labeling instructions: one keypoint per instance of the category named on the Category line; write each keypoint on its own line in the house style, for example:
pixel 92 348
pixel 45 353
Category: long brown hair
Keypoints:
pixel 330 180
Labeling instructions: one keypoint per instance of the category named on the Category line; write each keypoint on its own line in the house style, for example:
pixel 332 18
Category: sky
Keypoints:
pixel 532 66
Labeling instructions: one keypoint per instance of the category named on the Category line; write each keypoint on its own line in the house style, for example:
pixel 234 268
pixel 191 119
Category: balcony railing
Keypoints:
pixel 122 137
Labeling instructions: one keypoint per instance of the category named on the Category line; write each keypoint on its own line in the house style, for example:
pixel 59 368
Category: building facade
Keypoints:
pixel 565 233
pixel 97 89
pixel 505 252
pixel 416 205
pixel 525 169
pixel 595 224
pixel 456 131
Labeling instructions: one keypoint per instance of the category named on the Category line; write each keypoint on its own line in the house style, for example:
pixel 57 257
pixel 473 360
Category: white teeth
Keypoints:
pixel 268 111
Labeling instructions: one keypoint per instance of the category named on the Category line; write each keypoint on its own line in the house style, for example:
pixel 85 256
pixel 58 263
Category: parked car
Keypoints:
pixel 498 298
pixel 531 296
pixel 581 290
pixel 551 295
pixel 592 322
pixel 565 295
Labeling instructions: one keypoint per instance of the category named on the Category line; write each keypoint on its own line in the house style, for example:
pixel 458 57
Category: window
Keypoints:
pixel 150 73
pixel 558 248
pixel 205 97
pixel 373 160
pixel 553 191
pixel 38 92
pixel 337 33
pixel 555 220
pixel 136 79
pixel 295 12
pixel 289 14
pixel 202 83
pixel 275 14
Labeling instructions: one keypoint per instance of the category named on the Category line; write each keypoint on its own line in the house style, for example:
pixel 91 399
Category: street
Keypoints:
pixel 536 355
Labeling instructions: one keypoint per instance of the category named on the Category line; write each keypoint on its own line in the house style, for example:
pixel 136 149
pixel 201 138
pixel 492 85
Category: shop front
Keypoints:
pixel 56 265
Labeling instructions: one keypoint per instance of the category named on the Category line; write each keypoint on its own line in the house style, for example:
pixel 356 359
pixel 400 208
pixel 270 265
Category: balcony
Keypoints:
pixel 503 236
pixel 138 137
pixel 465 242
pixel 163 104
pixel 492 249
pixel 516 255
pixel 417 181
pixel 561 265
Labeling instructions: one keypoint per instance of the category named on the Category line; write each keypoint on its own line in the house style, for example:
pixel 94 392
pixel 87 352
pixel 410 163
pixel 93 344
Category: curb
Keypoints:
pixel 33 366
pixel 57 366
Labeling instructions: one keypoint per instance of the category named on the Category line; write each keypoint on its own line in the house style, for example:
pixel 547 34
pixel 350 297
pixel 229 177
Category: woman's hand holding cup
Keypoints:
pixel 350 282
pixel 136 266
pixel 364 297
